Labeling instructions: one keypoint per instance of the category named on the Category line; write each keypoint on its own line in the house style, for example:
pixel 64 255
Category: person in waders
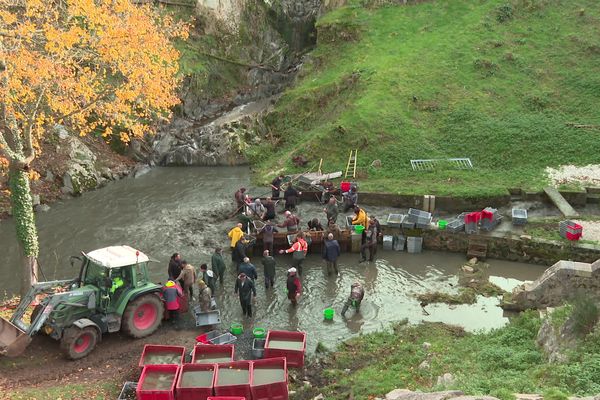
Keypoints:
pixel 269 265
pixel 298 250
pixel 245 288
pixel 294 287
pixel 204 296
pixel 357 293
pixel 218 264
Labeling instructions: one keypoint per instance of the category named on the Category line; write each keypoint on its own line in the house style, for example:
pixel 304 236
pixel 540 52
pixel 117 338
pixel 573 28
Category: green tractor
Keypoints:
pixel 112 293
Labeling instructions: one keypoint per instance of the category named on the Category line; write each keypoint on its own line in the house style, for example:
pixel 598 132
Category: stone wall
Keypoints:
pixel 513 248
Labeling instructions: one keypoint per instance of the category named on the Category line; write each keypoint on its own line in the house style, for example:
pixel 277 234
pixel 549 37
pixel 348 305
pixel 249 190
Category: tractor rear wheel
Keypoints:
pixel 142 316
pixel 78 343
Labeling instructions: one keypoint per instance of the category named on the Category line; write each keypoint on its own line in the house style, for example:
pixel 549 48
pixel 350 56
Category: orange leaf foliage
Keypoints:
pixel 77 61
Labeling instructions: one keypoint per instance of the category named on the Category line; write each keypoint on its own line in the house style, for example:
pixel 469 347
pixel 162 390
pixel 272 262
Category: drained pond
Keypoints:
pixel 186 210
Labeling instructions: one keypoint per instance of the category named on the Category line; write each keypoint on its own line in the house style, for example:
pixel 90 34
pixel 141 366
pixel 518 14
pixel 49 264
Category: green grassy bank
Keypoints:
pixel 500 363
pixel 497 81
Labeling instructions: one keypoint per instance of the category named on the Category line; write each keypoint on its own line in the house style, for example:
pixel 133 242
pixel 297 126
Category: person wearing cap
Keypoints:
pixel 350 199
pixel 257 208
pixel 357 293
pixel 291 197
pixel 187 277
pixel 361 218
pixel 204 296
pixel 239 253
pixel 248 269
pixel 371 241
pixel 294 287
pixel 276 186
pixel 298 250
pixel 208 277
pixel 218 264
pixel 244 287
pixel 240 198
pixel 331 252
pixel 291 222
pixel 174 266
pixel 269 213
pixel 269 265
pixel 331 210
pixel 172 294
pixel 268 238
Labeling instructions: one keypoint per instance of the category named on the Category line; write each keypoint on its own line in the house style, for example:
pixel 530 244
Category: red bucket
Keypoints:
pixel 345 186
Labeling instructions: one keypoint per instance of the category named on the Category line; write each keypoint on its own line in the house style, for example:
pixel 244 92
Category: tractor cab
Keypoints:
pixel 112 293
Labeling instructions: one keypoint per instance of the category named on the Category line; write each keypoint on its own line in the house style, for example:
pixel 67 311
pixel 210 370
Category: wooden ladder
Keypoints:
pixel 351 166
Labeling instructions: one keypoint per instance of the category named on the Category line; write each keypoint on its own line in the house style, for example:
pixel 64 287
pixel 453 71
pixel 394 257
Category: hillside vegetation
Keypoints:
pixel 498 81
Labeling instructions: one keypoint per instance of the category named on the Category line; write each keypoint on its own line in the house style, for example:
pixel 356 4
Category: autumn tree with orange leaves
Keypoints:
pixel 90 64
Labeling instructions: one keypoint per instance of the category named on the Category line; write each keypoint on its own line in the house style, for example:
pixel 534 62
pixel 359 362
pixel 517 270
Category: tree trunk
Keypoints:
pixel 27 237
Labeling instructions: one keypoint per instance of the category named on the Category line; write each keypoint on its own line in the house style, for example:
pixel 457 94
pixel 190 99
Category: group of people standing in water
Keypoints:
pixel 255 210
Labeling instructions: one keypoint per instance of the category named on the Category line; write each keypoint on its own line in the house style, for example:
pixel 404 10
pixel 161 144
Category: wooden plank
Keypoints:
pixel 560 202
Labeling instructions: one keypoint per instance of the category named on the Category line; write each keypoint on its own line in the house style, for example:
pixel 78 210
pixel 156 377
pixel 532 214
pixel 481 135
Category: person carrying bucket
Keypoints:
pixel 298 250
pixel 357 293
pixel 361 218
pixel 294 287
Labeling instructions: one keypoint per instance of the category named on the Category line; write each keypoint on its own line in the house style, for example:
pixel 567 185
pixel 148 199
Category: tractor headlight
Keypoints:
pixel 48 329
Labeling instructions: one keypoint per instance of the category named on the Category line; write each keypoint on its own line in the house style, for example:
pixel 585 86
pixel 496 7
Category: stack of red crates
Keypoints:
pixel 570 230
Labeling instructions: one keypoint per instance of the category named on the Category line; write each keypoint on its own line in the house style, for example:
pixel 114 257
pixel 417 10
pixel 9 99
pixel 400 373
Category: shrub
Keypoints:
pixel 504 13
pixel 585 315
pixel 554 394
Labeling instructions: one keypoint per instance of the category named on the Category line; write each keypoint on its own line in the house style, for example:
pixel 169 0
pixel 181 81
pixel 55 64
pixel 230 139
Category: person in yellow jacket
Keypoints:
pixel 361 218
pixel 235 234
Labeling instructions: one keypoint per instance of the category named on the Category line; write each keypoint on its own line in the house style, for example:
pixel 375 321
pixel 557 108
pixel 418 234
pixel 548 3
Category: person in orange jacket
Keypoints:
pixel 298 250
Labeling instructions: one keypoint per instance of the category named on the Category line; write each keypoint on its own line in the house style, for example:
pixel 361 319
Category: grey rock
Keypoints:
pixel 445 380
pixel 426 346
pixel 473 398
pixel 61 131
pixel 140 170
pixel 526 396
pixel 35 200
pixel 49 176
pixel 319 397
pixel 42 208
pixel 424 365
pixel 405 394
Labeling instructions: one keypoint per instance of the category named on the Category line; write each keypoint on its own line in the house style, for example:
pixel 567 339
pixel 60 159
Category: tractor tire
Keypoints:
pixel 143 316
pixel 77 343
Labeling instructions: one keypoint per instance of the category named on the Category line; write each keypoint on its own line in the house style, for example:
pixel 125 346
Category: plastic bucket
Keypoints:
pixel 442 224
pixel 359 228
pixel 259 333
pixel 236 329
pixel 328 313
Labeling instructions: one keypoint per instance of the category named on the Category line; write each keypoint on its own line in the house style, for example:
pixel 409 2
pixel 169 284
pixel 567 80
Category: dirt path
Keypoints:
pixel 116 357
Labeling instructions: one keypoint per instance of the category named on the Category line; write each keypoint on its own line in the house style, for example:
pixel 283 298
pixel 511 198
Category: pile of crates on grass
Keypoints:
pixel 212 372
pixel 570 230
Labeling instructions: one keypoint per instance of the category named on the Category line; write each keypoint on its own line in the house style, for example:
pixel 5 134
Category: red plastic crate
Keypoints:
pixel 228 350
pixel 226 398
pixel 194 393
pixel 153 394
pixel 241 390
pixel 271 391
pixel 294 358
pixel 155 348
pixel 573 236
pixel 473 217
pixel 487 215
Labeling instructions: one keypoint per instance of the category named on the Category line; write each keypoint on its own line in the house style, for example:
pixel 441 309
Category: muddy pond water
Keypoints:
pixel 181 210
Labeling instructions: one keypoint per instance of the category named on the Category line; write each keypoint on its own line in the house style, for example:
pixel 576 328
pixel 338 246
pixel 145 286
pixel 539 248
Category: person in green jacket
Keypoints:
pixel 218 264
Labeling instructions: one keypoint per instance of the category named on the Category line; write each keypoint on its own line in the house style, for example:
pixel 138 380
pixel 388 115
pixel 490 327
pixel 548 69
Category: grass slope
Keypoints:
pixel 500 363
pixel 493 80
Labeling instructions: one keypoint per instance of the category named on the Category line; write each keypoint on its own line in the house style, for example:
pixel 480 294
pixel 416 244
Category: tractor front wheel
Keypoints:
pixel 78 343
pixel 142 316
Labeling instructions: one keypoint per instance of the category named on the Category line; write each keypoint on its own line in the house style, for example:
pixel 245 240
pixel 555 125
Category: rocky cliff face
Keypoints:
pixel 266 39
